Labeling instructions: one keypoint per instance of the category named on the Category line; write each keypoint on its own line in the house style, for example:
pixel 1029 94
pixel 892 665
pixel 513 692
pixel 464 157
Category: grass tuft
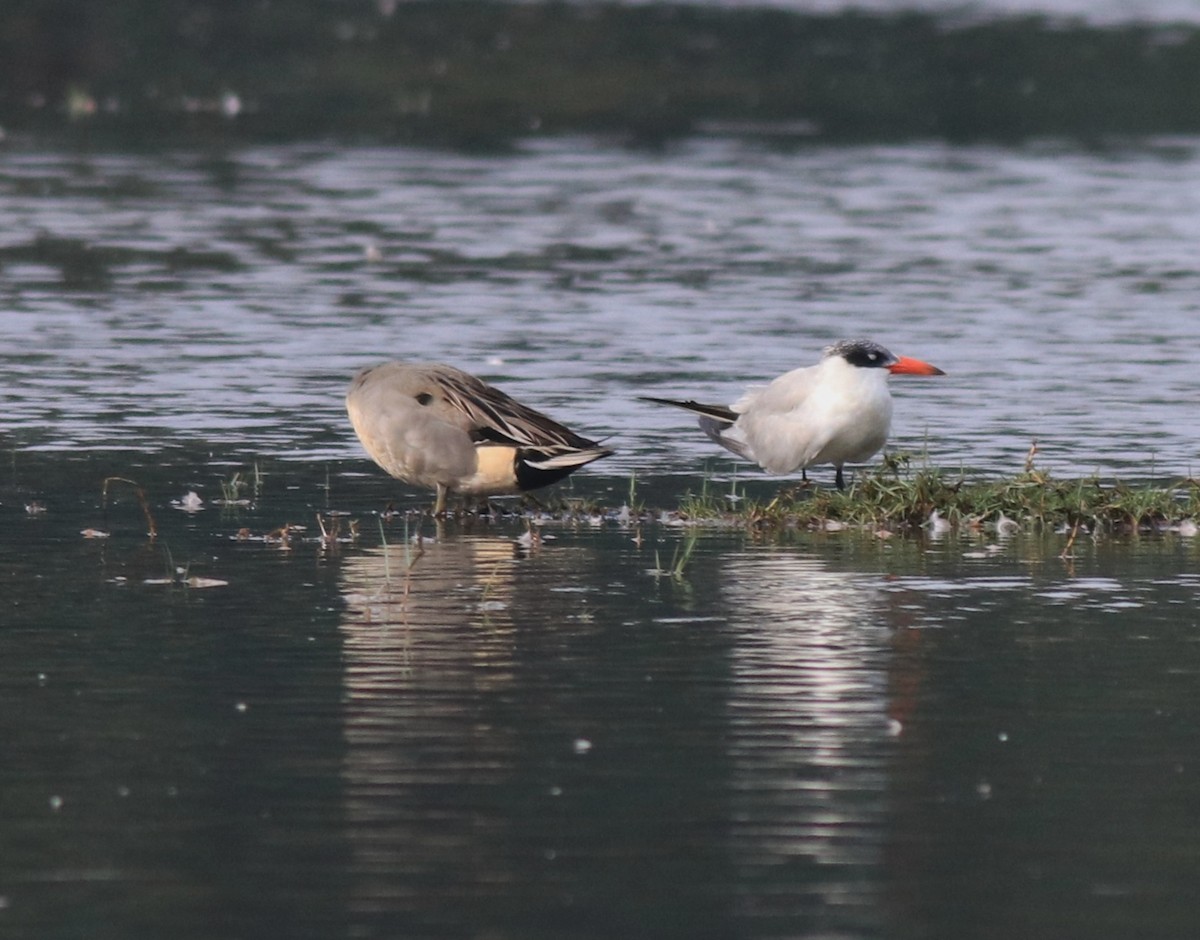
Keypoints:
pixel 897 496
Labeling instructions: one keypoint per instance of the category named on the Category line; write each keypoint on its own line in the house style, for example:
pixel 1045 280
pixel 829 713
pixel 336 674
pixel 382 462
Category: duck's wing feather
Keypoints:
pixel 491 416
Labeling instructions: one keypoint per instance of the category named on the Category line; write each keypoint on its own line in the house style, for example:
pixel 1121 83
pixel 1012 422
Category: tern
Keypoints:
pixel 436 426
pixel 838 411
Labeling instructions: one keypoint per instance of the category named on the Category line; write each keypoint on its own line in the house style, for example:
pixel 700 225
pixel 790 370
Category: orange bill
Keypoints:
pixel 906 366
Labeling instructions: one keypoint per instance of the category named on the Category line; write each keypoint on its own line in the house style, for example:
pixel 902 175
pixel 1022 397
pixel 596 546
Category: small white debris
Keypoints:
pixel 895 727
pixel 93 534
pixel 834 525
pixel 191 502
pixel 1006 526
pixel 1188 528
pixel 581 745
pixel 937 525
pixel 195 581
pixel 241 707
pixel 56 803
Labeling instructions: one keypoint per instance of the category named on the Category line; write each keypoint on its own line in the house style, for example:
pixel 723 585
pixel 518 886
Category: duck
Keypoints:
pixel 836 412
pixel 436 426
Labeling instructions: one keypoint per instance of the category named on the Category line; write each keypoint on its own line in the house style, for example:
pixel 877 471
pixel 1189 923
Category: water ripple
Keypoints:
pixel 152 298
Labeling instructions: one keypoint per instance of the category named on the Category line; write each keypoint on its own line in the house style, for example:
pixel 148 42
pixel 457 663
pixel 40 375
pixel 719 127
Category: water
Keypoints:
pixel 227 300
pixel 812 735
pixel 1086 11
pixel 803 735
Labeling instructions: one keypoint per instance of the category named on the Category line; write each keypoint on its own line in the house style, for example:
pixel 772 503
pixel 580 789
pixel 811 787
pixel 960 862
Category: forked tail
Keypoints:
pixel 720 413
pixel 715 421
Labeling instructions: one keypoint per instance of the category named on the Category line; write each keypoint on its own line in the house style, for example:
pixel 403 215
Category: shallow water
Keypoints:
pixel 806 734
pixel 814 734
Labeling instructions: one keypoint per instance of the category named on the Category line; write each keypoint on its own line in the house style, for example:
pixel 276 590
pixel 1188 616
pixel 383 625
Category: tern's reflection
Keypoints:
pixel 809 728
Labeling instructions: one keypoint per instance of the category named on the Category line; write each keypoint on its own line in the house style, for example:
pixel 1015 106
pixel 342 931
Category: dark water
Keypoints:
pixel 483 75
pixel 808 734
pixel 1090 11
pixel 219 733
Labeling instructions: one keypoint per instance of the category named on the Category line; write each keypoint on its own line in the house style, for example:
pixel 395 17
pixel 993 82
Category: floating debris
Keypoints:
pixel 1006 526
pixel 195 581
pixel 937 525
pixel 190 502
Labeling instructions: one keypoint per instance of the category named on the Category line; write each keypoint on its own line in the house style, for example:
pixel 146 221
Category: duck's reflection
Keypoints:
pixel 413 607
pixel 810 733
pixel 438 641
pixel 428 631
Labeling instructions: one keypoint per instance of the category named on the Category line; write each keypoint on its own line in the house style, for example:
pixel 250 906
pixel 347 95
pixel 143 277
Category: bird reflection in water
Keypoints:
pixel 433 659
pixel 812 731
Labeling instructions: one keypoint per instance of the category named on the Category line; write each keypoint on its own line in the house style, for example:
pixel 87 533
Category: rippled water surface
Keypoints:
pixel 239 728
pixel 464 734
pixel 155 300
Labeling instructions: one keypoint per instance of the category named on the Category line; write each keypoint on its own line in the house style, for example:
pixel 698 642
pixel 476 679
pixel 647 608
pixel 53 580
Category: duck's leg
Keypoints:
pixel 839 479
pixel 439 506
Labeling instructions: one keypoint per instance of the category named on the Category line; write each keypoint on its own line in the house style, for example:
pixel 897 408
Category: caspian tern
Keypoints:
pixel 437 426
pixel 838 411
